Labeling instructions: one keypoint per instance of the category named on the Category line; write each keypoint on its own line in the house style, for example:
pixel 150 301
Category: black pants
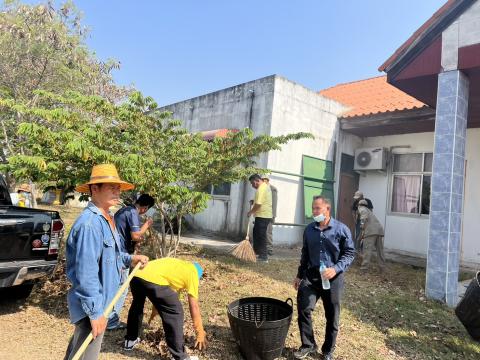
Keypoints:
pixel 358 231
pixel 260 237
pixel 168 306
pixel 308 294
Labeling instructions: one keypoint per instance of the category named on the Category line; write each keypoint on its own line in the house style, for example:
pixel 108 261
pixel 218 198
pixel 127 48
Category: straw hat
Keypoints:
pixel 24 187
pixel 104 173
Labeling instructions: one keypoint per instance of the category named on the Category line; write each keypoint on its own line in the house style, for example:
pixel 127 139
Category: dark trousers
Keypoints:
pixel 82 329
pixel 260 237
pixel 358 232
pixel 168 306
pixel 308 294
pixel 270 238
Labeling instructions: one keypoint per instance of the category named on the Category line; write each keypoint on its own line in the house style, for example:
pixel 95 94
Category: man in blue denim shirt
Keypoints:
pixel 94 260
pixel 329 241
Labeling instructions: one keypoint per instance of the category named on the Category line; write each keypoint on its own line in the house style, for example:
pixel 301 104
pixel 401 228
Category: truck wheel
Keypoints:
pixel 19 292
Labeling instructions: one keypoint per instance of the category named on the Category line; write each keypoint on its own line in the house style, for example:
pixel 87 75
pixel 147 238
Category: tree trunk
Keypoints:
pixel 10 182
pixel 162 227
pixel 33 190
pixel 179 222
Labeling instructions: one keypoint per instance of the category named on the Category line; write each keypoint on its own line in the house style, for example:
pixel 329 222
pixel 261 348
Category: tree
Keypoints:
pixel 64 136
pixel 43 47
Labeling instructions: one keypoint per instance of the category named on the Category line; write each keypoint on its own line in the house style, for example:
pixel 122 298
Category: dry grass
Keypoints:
pixel 383 317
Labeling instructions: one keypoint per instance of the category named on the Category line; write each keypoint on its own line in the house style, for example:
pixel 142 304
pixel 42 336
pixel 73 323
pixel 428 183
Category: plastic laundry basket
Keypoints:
pixel 468 309
pixel 260 326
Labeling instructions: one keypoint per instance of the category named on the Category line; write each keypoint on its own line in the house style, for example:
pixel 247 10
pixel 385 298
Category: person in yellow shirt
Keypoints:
pixel 262 210
pixel 161 281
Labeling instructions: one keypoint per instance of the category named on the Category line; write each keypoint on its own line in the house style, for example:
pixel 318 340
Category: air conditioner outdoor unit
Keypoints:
pixel 370 159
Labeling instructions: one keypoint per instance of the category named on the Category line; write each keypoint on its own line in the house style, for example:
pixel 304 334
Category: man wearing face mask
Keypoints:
pixel 329 241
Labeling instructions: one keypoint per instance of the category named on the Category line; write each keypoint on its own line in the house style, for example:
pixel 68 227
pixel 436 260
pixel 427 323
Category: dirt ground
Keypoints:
pixel 384 316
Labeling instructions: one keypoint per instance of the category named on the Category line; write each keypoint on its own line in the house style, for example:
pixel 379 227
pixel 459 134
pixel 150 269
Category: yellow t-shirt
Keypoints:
pixel 175 273
pixel 263 197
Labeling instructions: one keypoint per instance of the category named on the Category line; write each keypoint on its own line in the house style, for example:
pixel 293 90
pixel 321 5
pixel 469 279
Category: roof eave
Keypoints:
pixel 390 123
pixel 423 37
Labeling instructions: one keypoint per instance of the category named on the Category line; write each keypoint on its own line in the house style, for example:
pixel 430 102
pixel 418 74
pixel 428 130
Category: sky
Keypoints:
pixel 174 50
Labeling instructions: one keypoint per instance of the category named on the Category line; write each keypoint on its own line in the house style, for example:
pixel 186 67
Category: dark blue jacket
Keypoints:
pixel 127 221
pixel 332 245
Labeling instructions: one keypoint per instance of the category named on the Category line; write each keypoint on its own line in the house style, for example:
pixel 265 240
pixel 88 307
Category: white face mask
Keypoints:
pixel 319 218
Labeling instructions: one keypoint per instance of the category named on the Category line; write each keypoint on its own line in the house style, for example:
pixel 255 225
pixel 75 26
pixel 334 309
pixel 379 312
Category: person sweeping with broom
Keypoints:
pixel 161 281
pixel 94 260
pixel 262 210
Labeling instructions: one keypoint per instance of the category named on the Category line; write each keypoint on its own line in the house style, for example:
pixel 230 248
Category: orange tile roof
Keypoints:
pixel 371 96
pixel 211 134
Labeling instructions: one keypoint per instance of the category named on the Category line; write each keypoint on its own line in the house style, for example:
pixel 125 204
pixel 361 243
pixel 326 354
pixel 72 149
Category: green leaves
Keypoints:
pixel 61 113
pixel 64 135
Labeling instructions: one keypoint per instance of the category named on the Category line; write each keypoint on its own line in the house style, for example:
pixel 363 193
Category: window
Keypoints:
pixel 223 189
pixel 219 190
pixel 412 175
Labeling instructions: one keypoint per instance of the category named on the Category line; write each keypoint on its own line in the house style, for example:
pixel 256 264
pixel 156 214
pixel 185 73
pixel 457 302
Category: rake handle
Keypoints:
pixel 107 311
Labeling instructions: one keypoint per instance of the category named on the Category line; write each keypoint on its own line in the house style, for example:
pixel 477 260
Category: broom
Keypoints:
pixel 107 311
pixel 244 250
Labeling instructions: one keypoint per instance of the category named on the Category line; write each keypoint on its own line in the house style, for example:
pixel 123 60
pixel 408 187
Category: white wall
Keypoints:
pixel 276 106
pixel 238 107
pixel 470 248
pixel 409 233
pixel 298 109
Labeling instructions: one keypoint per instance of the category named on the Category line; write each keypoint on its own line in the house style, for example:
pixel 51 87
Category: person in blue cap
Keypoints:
pixel 161 281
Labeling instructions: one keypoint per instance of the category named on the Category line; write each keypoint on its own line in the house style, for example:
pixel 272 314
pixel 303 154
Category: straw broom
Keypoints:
pixel 107 311
pixel 244 250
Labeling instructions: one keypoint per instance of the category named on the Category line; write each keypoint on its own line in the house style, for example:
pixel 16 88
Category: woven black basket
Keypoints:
pixel 260 326
pixel 468 309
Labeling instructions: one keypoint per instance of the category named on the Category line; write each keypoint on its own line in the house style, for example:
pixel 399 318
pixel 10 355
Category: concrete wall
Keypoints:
pixel 409 233
pixel 247 105
pixel 274 106
pixel 298 109
pixel 470 245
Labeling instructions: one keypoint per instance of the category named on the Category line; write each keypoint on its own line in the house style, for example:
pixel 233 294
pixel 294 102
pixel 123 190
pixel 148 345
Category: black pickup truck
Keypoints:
pixel 29 241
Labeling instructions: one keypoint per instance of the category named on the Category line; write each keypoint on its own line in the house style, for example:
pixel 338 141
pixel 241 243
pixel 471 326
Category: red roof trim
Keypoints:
pixel 412 40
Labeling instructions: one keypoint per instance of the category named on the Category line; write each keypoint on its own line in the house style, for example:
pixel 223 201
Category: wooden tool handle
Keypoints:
pixel 107 311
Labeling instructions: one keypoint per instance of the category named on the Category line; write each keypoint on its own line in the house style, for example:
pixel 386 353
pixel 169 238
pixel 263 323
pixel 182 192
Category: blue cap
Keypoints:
pixel 199 269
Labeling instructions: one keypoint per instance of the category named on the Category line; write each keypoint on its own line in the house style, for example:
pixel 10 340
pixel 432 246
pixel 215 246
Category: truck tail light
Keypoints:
pixel 56 236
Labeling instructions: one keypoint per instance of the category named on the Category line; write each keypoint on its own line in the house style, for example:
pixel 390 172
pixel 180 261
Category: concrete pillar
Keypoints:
pixel 443 257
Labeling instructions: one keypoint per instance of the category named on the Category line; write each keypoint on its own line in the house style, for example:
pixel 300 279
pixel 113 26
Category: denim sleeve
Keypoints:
pixel 126 259
pixel 88 249
pixel 302 269
pixel 133 221
pixel 347 250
